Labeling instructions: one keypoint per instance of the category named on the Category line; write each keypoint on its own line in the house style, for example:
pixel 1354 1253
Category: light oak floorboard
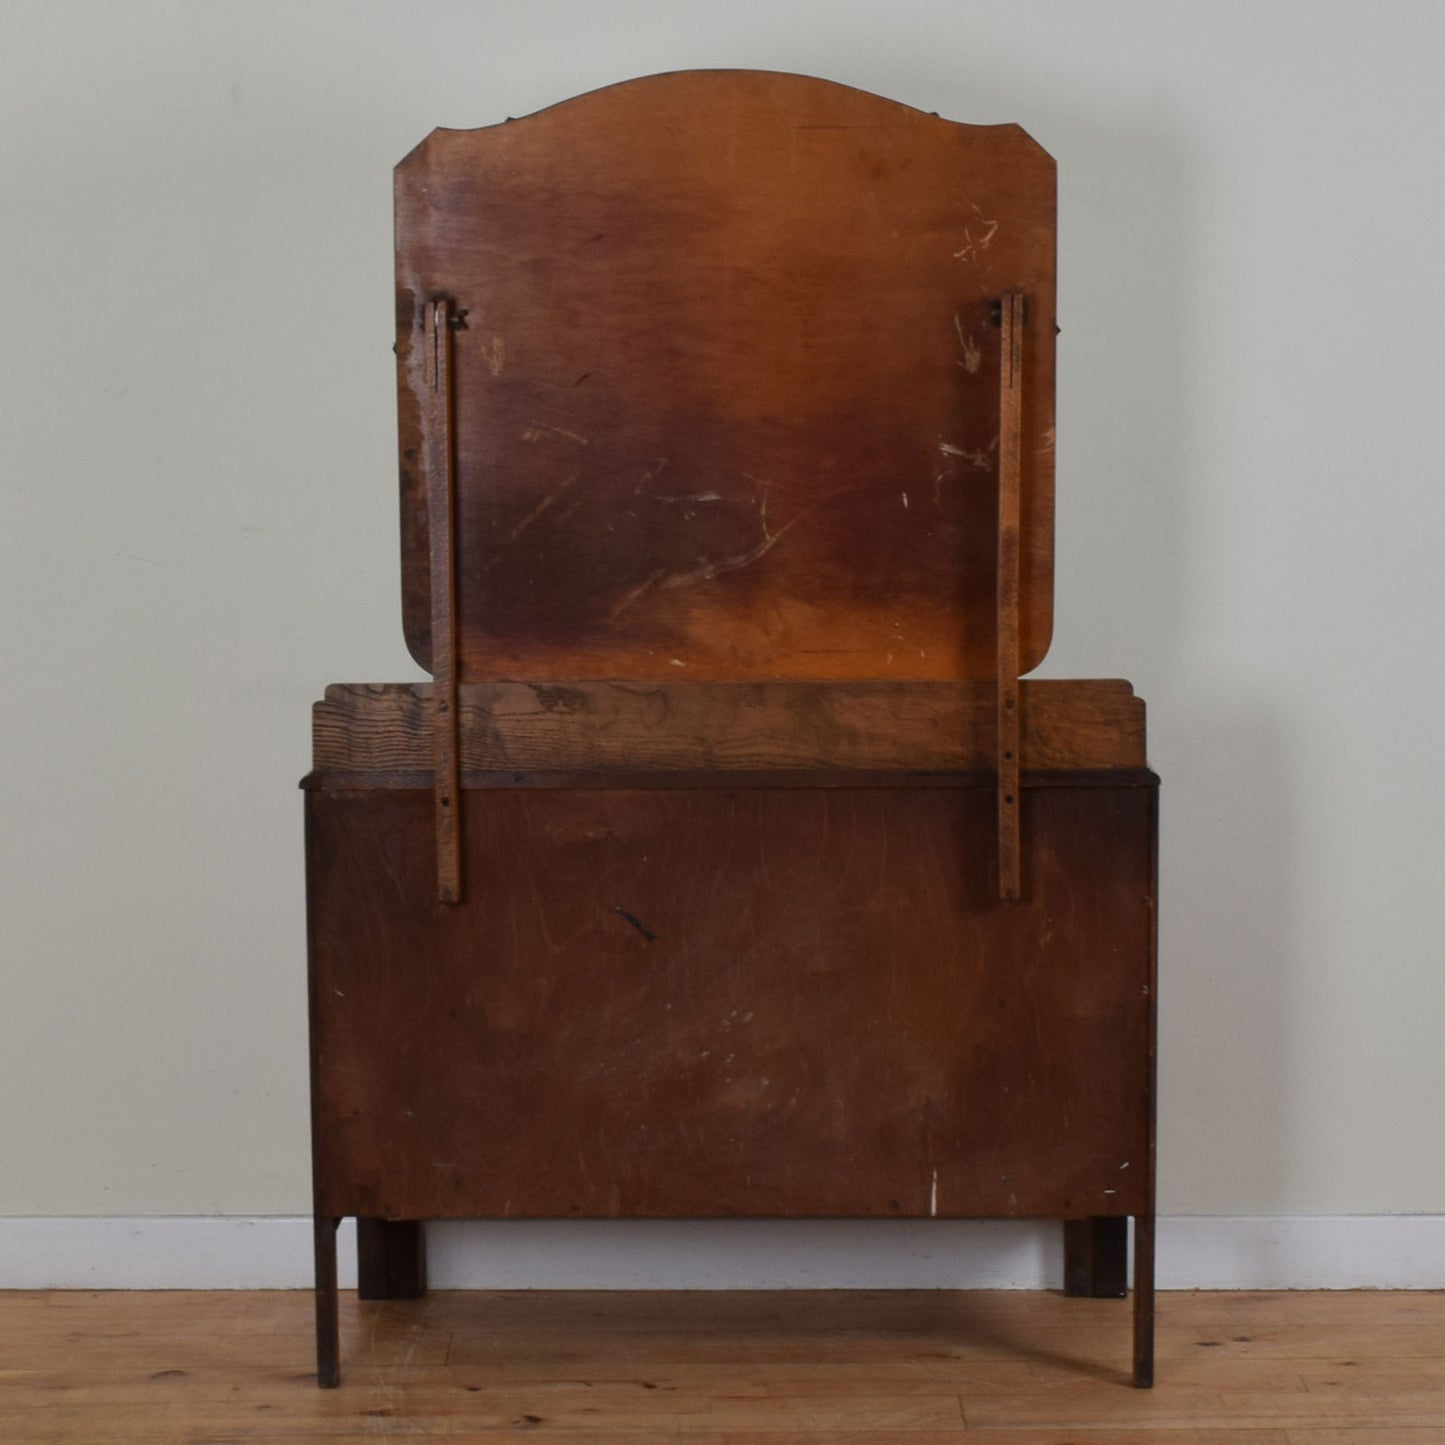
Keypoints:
pixel 667 1368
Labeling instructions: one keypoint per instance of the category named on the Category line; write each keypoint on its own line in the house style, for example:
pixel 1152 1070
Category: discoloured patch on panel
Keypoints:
pixel 687 272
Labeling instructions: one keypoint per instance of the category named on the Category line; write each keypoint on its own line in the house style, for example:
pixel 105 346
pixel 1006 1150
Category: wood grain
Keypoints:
pixel 670 1002
pixel 867 1368
pixel 726 392
pixel 730 726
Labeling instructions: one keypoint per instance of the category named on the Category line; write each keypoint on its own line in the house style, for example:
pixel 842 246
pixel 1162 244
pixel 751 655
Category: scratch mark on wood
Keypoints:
pixel 933 1197
pixel 972 356
pixel 981 460
pixel 542 506
pixel 631 596
pixel 497 355
pixel 647 934
pixel 541 431
pixel 708 568
pixel 973 245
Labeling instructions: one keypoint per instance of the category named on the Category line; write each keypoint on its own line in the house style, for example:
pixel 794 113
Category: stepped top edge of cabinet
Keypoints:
pixel 730 728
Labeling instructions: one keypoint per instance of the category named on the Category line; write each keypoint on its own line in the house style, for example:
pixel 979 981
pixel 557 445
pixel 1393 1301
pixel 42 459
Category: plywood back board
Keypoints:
pixel 726 394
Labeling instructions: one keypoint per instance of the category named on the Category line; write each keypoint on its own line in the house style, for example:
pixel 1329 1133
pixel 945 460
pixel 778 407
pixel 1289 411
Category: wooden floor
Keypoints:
pixel 751 1369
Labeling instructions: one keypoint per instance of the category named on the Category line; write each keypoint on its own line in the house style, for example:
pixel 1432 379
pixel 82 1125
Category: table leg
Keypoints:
pixel 328 1347
pixel 1096 1254
pixel 1144 1301
pixel 390 1259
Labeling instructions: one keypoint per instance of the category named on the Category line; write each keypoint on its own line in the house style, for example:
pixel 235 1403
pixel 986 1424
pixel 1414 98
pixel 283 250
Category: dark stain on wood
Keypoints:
pixel 648 936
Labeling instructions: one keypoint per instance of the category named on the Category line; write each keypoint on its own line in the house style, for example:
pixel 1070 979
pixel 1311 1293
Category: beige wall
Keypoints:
pixel 199 530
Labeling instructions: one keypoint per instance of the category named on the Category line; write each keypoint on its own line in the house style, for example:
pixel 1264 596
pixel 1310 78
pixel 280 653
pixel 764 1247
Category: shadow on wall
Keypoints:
pixel 1227 954
pixel 1131 479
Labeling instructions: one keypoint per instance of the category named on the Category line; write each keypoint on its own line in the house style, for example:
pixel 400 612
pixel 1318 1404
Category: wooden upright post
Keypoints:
pixel 441 513
pixel 1010 446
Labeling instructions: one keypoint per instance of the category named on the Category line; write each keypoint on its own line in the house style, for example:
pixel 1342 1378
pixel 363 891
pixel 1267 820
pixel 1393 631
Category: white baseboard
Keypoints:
pixel 233 1252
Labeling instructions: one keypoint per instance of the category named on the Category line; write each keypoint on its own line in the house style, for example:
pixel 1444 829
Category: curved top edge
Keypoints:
pixel 720 73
